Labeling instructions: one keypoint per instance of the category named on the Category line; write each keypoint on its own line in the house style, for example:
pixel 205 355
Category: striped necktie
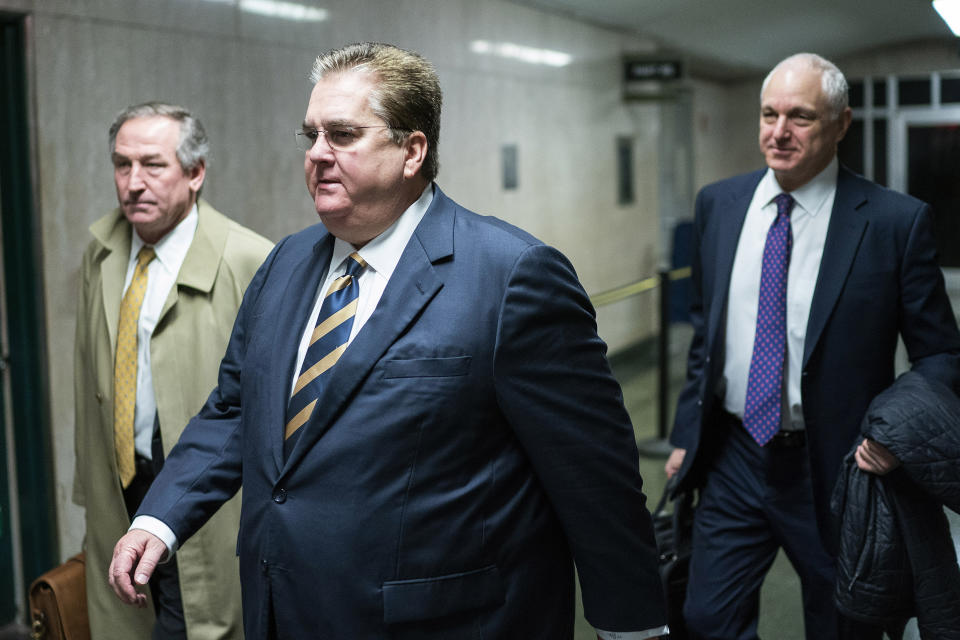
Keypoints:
pixel 761 414
pixel 125 368
pixel 327 343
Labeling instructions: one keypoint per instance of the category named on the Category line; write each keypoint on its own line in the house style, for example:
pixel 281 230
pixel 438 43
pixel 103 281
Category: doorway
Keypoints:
pixel 925 162
pixel 28 545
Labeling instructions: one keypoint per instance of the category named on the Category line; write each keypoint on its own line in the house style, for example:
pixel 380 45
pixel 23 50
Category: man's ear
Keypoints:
pixel 197 174
pixel 845 119
pixel 415 153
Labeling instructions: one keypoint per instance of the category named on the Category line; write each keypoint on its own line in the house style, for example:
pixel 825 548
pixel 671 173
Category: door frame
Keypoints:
pixel 26 437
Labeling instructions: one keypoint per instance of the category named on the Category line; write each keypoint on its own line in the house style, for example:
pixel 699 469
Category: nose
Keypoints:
pixel 135 178
pixel 321 150
pixel 780 128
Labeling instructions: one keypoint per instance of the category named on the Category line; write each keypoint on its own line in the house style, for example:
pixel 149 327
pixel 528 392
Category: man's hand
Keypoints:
pixel 137 550
pixel 873 457
pixel 674 461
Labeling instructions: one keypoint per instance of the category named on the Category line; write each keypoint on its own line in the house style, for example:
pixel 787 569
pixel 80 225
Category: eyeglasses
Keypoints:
pixel 339 137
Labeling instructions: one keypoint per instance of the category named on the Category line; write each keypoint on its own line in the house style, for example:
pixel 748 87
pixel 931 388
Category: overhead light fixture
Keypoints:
pixel 530 55
pixel 949 10
pixel 284 10
pixel 293 11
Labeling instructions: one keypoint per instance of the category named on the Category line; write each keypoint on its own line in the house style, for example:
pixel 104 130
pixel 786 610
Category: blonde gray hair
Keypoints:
pixel 406 96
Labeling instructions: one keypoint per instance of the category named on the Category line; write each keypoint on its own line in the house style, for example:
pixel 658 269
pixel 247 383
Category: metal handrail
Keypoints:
pixel 647 284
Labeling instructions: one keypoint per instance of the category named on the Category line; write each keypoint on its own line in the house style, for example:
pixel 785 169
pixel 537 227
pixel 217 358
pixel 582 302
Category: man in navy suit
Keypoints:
pixel 468 442
pixel 860 270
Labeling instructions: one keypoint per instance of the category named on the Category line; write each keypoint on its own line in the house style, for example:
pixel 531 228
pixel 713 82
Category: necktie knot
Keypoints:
pixel 355 264
pixel 785 203
pixel 144 257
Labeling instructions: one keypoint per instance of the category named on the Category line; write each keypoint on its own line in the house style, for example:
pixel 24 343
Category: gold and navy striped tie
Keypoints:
pixel 329 339
pixel 125 368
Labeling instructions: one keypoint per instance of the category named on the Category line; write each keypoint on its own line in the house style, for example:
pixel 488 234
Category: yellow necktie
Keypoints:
pixel 125 368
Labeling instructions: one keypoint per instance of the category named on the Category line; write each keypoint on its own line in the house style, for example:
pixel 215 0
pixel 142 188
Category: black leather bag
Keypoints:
pixel 674 534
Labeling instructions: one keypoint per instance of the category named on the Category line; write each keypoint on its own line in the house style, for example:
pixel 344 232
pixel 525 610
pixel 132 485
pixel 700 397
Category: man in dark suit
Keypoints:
pixel 798 301
pixel 436 471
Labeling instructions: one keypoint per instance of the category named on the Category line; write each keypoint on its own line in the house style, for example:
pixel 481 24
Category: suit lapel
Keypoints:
pixel 730 222
pixel 844 234
pixel 411 287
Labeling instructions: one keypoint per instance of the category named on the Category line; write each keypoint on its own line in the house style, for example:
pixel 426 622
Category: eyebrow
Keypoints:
pixel 328 123
pixel 144 158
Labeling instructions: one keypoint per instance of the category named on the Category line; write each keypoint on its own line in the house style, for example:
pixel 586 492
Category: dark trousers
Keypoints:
pixel 165 582
pixel 755 502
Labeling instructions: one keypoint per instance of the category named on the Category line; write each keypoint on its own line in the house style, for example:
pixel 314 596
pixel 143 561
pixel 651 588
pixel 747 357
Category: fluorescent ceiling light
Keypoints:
pixel 284 10
pixel 279 9
pixel 949 10
pixel 520 52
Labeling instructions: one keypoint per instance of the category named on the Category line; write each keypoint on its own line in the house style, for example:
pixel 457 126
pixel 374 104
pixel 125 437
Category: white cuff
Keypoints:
pixel 633 635
pixel 159 529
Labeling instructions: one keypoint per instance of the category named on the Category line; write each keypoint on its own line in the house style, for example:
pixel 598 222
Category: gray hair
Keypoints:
pixel 193 148
pixel 407 94
pixel 832 81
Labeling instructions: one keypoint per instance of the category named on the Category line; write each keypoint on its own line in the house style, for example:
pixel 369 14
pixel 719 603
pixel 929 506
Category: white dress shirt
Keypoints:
pixel 381 255
pixel 808 222
pixel 161 276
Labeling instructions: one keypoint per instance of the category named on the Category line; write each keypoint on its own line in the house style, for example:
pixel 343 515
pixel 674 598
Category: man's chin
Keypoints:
pixel 139 215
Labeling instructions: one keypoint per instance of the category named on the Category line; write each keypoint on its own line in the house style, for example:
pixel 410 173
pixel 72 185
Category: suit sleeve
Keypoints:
pixel 689 407
pixel 204 468
pixel 927 323
pixel 556 390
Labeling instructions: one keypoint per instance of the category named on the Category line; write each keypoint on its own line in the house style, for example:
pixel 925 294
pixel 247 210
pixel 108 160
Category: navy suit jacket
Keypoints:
pixel 878 279
pixel 470 444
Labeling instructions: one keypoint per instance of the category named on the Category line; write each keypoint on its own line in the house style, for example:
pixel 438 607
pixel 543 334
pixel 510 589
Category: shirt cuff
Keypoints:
pixel 633 635
pixel 159 529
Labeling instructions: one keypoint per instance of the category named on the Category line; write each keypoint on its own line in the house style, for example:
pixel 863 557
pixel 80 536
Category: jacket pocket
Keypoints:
pixel 427 367
pixel 426 598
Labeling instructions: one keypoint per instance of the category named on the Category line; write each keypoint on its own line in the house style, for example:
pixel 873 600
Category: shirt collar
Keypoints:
pixel 383 252
pixel 172 248
pixel 811 196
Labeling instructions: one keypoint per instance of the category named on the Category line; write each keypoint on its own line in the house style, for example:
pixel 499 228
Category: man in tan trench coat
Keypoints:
pixel 163 277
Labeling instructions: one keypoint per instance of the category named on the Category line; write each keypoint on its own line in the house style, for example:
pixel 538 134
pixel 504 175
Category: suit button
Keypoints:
pixel 280 496
pixel 100 397
pixel 263 567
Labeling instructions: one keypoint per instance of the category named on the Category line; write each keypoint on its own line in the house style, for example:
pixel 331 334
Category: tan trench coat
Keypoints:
pixel 185 350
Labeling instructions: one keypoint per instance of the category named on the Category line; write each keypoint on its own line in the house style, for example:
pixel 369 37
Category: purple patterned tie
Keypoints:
pixel 761 415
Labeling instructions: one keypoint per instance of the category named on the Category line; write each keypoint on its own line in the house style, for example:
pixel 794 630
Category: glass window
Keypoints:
pixel 856 94
pixel 850 150
pixel 933 175
pixel 879 93
pixel 880 151
pixel 949 90
pixel 913 91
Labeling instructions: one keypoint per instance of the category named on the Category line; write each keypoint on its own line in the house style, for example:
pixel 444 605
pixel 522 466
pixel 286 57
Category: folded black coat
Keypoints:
pixel 897 558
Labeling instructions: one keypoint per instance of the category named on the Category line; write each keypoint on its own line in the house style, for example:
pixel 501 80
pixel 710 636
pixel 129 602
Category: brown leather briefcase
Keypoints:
pixel 58 603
